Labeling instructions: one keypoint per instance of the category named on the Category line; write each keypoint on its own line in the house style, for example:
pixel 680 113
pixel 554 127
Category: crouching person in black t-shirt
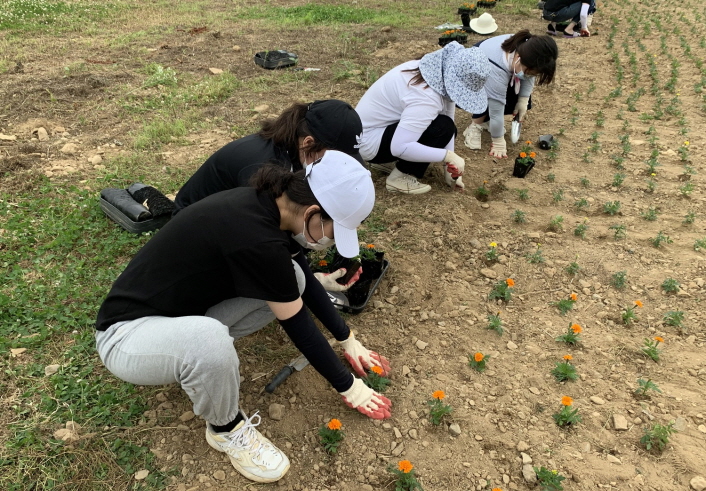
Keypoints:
pixel 222 269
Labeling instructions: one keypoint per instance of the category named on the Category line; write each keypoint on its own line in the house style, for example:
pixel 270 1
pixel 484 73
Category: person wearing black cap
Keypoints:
pixel 299 136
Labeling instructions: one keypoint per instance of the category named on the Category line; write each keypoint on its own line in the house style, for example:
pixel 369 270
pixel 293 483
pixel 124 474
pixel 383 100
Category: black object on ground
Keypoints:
pixel 275 59
pixel 157 203
pixel 123 208
pixel 521 170
pixel 546 142
pixel 359 294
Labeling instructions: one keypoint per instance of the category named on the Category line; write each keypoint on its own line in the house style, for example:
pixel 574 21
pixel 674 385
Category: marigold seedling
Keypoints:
pixel 628 316
pixel 573 268
pixel 581 204
pixel 657 436
pixel 619 279
pixel 674 318
pixel 580 230
pixel 502 290
pixel 644 386
pixel 495 323
pixel 477 361
pixel 556 223
pixel 563 370
pixel 405 479
pixel 437 408
pixel 535 257
pixel 689 218
pixel 670 285
pixel 650 215
pixel 518 216
pixel 566 304
pixel 618 180
pixel 375 379
pixel 651 348
pixel 619 231
pixel 549 480
pixel 572 336
pixel 611 207
pixel 585 182
pixel 567 416
pixel 523 194
pixel 700 244
pixel 687 188
pixel 557 195
pixel 492 253
pixel 660 239
pixel 331 435
pixel 551 177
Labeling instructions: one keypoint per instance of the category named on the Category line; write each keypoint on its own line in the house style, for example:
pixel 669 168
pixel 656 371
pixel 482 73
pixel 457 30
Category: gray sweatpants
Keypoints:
pixel 197 352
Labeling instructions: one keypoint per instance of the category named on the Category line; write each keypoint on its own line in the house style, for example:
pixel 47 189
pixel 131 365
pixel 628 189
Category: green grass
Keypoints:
pixel 318 14
pixel 33 15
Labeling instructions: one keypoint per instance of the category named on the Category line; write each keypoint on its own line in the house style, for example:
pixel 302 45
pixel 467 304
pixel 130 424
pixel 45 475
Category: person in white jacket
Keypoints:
pixel 408 115
pixel 518 61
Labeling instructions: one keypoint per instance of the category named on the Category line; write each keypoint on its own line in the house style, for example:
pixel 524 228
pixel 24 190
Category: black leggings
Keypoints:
pixel 437 135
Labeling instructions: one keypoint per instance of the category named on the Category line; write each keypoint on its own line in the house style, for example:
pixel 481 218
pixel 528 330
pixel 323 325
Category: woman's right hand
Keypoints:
pixel 367 401
pixel 498 148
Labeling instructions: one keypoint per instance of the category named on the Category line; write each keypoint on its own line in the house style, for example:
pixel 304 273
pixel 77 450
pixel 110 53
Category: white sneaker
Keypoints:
pixel 400 182
pixel 251 453
pixel 386 168
pixel 472 135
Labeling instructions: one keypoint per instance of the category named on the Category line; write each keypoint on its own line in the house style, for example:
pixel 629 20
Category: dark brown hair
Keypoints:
pixel 286 130
pixel 417 79
pixel 275 180
pixel 538 54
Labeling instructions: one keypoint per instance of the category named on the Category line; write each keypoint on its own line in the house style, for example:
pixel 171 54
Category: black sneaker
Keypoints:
pixel 551 30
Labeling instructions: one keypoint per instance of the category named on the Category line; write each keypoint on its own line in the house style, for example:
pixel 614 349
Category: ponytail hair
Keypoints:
pixel 276 181
pixel 286 130
pixel 538 53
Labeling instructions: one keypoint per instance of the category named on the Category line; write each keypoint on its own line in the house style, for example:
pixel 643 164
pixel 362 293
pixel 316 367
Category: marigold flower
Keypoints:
pixel 568 357
pixel 496 489
pixel 323 263
pixel 438 394
pixel 478 357
pixel 376 369
pixel 574 297
pixel 371 246
pixel 405 466
pixel 566 401
pixel 523 155
pixel 638 303
pixel 576 328
pixel 686 143
pixel 334 424
pixel 659 339
pixel 528 142
pixel 532 155
pixel 510 282
pixel 493 244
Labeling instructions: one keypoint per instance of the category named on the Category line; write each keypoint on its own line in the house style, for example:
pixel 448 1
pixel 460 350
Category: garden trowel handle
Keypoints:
pixel 279 378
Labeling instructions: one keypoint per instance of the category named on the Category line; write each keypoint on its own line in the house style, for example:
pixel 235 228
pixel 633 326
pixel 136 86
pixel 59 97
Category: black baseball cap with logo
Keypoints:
pixel 336 124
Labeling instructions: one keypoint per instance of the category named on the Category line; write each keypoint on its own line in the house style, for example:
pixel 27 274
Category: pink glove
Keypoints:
pixel 328 280
pixel 367 401
pixel 361 358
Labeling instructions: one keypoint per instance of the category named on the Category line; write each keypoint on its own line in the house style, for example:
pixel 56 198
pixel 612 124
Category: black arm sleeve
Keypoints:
pixel 308 339
pixel 316 299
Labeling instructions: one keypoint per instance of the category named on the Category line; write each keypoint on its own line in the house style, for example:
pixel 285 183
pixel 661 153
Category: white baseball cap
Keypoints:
pixel 346 192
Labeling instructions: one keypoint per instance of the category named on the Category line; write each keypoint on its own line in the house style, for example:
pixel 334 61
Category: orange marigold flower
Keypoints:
pixel 510 282
pixel 528 142
pixel 523 155
pixel 566 401
pixel 568 357
pixel 478 357
pixel 574 297
pixel 376 369
pixel 334 424
pixel 371 246
pixel 405 466
pixel 532 155
pixel 638 303
pixel 576 328
pixel 323 263
pixel 438 394
pixel 496 489
pixel 659 339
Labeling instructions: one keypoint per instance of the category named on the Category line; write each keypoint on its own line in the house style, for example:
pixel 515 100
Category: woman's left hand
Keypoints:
pixel 328 280
pixel 521 108
pixel 361 358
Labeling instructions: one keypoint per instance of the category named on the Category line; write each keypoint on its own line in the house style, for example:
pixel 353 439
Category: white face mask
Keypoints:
pixel 322 244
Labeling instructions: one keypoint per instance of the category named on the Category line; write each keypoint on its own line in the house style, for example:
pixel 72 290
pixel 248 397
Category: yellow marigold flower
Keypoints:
pixel 405 466
pixel 568 357
pixel 686 143
pixel 438 394
pixel 376 369
pixel 659 339
pixel 576 328
pixel 510 282
pixel 566 401
pixel 523 155
pixel 532 155
pixel 334 424
pixel 478 357
pixel 323 263
pixel 493 244
pixel 574 297
pixel 638 303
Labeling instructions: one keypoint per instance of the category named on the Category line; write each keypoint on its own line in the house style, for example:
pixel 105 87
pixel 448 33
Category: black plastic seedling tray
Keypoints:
pixel 130 225
pixel 275 59
pixel 357 309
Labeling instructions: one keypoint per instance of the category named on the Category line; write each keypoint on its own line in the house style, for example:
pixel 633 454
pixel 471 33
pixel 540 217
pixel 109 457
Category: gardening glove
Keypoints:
pixel 455 184
pixel 521 107
pixel 328 280
pixel 585 33
pixel 366 400
pixel 361 358
pixel 498 148
pixel 455 164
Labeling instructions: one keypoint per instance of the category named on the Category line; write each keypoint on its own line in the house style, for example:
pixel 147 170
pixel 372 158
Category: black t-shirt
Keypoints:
pixel 230 167
pixel 556 5
pixel 225 246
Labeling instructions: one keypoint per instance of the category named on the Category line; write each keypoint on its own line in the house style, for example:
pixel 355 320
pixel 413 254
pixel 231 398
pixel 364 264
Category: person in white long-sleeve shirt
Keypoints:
pixel 580 13
pixel 518 62
pixel 408 115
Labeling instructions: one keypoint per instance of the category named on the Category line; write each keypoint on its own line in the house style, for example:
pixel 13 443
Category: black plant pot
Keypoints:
pixel 521 170
pixel 465 11
pixel 460 39
pixel 486 5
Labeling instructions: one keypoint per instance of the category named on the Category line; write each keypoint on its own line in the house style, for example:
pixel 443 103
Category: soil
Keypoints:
pixel 430 312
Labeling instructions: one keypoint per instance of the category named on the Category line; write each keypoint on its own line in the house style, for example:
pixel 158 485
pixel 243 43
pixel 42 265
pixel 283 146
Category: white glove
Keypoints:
pixel 455 184
pixel 521 107
pixel 366 400
pixel 454 163
pixel 361 358
pixel 498 148
pixel 328 280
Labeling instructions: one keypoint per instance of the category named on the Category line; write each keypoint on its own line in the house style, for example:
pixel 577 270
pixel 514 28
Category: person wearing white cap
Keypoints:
pixel 517 61
pixel 408 115
pixel 224 268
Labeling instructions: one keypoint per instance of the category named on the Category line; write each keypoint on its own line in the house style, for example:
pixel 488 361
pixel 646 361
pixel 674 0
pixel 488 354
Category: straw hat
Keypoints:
pixel 485 24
